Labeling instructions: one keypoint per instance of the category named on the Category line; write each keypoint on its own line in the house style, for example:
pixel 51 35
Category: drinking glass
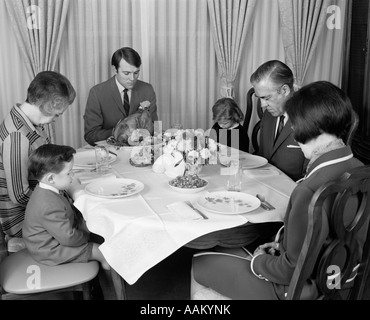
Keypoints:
pixel 235 177
pixel 102 160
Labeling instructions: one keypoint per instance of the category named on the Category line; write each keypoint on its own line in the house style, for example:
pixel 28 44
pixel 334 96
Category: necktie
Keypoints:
pixel 280 127
pixel 126 102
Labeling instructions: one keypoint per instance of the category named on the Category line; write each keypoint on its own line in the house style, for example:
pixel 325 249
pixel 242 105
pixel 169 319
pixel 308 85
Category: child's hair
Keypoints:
pixel 227 109
pixel 49 158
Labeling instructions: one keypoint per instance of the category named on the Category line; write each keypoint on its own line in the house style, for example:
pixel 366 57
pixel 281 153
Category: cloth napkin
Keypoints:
pixel 183 211
pixel 261 172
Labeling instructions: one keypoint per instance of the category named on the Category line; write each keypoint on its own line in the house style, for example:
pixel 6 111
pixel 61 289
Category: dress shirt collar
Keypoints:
pixel 278 119
pixel 48 187
pixel 121 87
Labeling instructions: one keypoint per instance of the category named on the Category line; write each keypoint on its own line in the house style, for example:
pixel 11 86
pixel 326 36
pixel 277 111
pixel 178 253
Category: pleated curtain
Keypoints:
pixel 302 23
pixel 38 26
pixel 230 21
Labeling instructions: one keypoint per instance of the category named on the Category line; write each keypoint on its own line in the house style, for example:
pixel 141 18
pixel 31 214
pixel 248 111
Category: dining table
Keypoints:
pixel 143 228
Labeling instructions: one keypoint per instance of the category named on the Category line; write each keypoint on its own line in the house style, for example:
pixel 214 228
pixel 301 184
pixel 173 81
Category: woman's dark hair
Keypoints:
pixel 319 107
pixel 51 92
pixel 129 55
pixel 276 71
pixel 227 109
pixel 49 158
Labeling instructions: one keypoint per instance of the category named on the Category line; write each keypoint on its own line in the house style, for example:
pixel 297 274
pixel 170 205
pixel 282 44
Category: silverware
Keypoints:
pixel 195 209
pixel 264 203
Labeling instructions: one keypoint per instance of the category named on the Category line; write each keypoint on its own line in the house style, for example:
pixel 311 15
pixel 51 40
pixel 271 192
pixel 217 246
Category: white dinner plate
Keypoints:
pixel 228 202
pixel 251 161
pixel 86 158
pixel 114 188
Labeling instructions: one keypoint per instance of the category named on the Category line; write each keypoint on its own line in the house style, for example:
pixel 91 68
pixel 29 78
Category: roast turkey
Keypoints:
pixel 133 129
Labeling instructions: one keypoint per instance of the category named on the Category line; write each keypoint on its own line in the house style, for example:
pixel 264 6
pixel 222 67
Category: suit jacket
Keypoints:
pixel 285 153
pixel 49 232
pixel 104 107
pixel 279 269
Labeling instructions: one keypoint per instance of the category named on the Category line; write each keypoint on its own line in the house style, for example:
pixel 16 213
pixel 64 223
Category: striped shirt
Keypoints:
pixel 18 138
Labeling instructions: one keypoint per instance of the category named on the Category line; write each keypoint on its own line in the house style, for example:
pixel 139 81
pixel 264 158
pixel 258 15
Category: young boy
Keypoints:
pixel 53 229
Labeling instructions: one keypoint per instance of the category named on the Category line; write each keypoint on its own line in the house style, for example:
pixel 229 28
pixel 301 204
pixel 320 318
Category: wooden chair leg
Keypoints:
pixel 119 285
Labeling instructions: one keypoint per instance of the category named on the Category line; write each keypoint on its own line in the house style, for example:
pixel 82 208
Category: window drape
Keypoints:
pixel 230 21
pixel 38 27
pixel 301 25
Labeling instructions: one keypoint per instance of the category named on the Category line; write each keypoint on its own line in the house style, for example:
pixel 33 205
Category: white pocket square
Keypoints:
pixel 293 146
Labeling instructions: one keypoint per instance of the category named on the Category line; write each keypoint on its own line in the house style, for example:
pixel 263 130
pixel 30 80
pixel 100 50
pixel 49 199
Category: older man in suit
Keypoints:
pixel 118 97
pixel 273 84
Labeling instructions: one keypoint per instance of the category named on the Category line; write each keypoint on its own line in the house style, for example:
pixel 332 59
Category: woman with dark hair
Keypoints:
pixel 320 114
pixel 118 97
pixel 227 127
pixel 48 96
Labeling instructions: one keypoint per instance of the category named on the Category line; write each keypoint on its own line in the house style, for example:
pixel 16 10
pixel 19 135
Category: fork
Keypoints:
pixel 195 209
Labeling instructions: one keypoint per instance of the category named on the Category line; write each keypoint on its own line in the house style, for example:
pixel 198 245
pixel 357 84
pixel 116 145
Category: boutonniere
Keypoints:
pixel 144 105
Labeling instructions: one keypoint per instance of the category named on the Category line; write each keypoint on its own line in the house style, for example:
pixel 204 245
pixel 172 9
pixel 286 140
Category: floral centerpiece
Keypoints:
pixel 184 152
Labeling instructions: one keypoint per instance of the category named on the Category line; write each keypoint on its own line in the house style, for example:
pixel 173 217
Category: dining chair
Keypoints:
pixel 21 277
pixel 352 131
pixel 336 249
pixel 249 109
pixel 253 102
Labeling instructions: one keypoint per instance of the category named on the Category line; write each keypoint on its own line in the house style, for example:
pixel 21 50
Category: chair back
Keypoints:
pixel 336 250
pixel 352 131
pixel 248 115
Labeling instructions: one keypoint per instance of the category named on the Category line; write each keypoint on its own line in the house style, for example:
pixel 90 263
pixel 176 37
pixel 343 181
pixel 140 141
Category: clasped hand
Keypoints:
pixel 270 248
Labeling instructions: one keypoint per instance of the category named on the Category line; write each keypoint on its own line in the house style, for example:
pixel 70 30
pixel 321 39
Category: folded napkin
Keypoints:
pixel 261 172
pixel 183 211
pixel 88 177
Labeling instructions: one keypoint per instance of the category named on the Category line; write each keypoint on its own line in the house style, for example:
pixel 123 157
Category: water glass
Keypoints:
pixel 102 160
pixel 235 177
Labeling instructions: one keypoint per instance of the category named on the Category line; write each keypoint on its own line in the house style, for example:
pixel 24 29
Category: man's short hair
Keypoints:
pixel 276 71
pixel 129 55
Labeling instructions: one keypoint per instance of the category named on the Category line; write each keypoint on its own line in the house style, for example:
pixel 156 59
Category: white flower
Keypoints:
pixel 205 153
pixel 192 156
pixel 144 105
pixel 212 145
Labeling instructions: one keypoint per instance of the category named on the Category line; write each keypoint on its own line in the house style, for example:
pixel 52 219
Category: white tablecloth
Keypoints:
pixel 144 229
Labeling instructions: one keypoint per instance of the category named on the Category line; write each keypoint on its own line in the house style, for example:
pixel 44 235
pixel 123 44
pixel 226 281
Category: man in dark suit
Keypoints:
pixel 108 102
pixel 273 84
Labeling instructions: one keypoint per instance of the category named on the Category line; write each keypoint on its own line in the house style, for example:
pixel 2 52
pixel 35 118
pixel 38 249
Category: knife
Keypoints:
pixel 264 203
pixel 195 209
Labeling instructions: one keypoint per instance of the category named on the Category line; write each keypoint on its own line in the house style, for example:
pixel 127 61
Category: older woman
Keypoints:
pixel 48 96
pixel 320 114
